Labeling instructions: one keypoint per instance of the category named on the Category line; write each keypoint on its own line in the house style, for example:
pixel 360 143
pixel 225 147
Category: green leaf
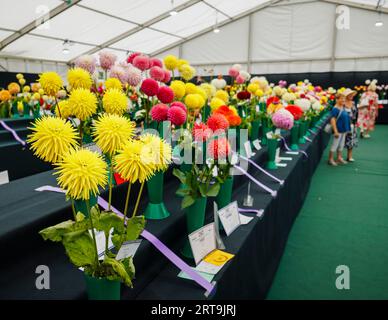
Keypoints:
pixel 119 271
pixel 213 190
pixel 135 227
pixel 180 175
pixel 187 201
pixel 107 221
pixel 129 266
pixel 202 189
pixel 55 233
pixel 80 217
pixel 80 248
pixel 182 192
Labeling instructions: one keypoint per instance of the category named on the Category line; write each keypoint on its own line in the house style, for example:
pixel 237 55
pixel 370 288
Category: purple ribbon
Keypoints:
pixel 259 213
pixel 281 182
pixel 261 185
pixel 183 266
pixel 308 139
pixel 312 132
pixel 15 135
pixel 289 149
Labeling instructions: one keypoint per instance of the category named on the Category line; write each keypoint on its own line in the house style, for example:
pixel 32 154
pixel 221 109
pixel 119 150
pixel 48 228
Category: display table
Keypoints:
pixel 383 113
pixel 19 161
pixel 257 246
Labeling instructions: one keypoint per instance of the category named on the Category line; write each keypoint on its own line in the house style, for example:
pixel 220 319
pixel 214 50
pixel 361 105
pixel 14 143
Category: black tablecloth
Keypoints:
pixel 383 115
pixel 257 246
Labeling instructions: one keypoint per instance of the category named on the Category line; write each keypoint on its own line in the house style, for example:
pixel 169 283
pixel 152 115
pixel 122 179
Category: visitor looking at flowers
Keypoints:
pixel 351 140
pixel 340 123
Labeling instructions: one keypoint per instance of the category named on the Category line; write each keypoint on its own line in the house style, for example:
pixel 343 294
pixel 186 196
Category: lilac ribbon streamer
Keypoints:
pixel 312 132
pixel 183 266
pixel 289 149
pixel 281 182
pixel 308 139
pixel 259 213
pixel 15 135
pixel 261 185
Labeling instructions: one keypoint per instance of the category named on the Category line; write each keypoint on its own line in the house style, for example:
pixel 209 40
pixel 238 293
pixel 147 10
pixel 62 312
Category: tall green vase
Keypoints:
pixel 254 134
pixel 224 196
pixel 156 210
pixel 272 146
pixel 206 113
pixel 102 288
pixel 265 130
pixel 295 136
pixel 80 205
pixel 302 130
pixel 195 218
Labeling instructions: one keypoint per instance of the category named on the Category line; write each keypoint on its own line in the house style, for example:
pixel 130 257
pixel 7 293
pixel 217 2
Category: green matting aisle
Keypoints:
pixel 344 221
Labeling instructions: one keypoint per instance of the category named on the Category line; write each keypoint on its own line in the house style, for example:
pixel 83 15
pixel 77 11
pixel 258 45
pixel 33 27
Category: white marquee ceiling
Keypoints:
pixel 135 25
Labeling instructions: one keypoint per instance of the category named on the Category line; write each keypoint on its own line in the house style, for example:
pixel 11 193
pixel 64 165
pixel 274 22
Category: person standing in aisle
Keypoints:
pixel 351 140
pixel 368 109
pixel 340 123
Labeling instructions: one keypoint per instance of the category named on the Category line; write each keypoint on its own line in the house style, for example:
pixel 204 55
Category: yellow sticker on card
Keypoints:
pixel 218 257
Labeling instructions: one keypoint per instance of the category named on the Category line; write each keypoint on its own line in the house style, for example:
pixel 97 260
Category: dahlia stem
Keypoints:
pixel 138 200
pixel 93 233
pixel 57 106
pixel 73 207
pixel 110 183
pixel 126 201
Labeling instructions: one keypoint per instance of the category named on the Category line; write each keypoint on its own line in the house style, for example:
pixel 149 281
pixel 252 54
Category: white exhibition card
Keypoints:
pixel 248 149
pixel 278 132
pixel 128 249
pixel 277 156
pixel 230 218
pixel 208 267
pixel 295 153
pixel 244 219
pixel 203 241
pixel 4 177
pixel 257 144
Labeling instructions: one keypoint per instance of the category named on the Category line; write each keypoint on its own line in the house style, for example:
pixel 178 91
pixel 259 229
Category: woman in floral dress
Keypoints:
pixel 367 110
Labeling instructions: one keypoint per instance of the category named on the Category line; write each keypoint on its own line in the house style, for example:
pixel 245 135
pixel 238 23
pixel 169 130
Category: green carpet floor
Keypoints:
pixel 344 221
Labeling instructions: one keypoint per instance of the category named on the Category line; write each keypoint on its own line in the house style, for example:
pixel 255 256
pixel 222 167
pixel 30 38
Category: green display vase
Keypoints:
pixel 156 210
pixel 254 134
pixel 195 218
pixel 302 130
pixel 4 110
pixel 26 110
pixel 80 205
pixel 272 146
pixel 265 130
pixel 205 113
pixel 224 196
pixel 294 136
pixel 102 288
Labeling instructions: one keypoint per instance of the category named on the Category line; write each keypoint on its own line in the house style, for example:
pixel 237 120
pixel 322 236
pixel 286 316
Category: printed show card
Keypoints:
pixel 277 155
pixel 257 144
pixel 207 276
pixel 4 177
pixel 207 267
pixel 244 219
pixel 203 241
pixel 229 217
pixel 128 249
pixel 248 149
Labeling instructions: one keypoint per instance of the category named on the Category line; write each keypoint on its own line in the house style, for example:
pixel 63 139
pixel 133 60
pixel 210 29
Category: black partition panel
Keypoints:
pixel 8 77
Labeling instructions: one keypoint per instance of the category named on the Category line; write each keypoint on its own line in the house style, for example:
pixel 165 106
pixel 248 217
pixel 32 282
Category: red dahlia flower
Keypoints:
pixel 219 148
pixel 218 122
pixel 296 111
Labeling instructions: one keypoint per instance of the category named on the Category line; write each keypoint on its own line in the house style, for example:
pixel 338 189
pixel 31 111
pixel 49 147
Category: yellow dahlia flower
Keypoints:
pixel 187 72
pixel 253 87
pixel 170 62
pixel 201 92
pixel 13 88
pixel 181 62
pixel 50 83
pixel 26 89
pixel 216 102
pixel 111 132
pixel 82 103
pixel 115 101
pixel 81 172
pixel 111 83
pixel 52 138
pixel 134 162
pixel 209 89
pixel 22 81
pixel 179 88
pixel 161 151
pixel 19 76
pixel 223 95
pixel 5 95
pixel 259 93
pixel 79 78
pixel 194 101
pixel 63 109
pixel 190 88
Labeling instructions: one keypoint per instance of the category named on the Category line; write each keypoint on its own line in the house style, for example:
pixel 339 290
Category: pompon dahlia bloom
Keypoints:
pixel 5 95
pixel 201 132
pixel 81 173
pixel 223 95
pixel 209 89
pixel 51 138
pixel 161 152
pixel 113 83
pixel 135 162
pixel 240 79
pixel 218 83
pixel 159 112
pixel 233 72
pixel 253 87
pixel 190 88
pixel 179 88
pixel 157 73
pixel 305 104
pixel 288 97
pixel 170 62
pixel 149 87
pixel 237 66
pixel 50 82
pixel 219 148
pixel 79 78
pixel 274 100
pixel 194 101
pixel 217 121
pixel 176 115
pixel 115 101
pixel 62 110
pixel 230 114
pixel 201 92
pixel 167 76
pixel 179 104
pixel 165 95
pixel 187 72
pixel 296 111
pixel 132 56
pixel 182 62
pixel 133 76
pixel 216 103
pixel 243 95
pixel 111 132
pixel 82 103
pixel 283 119
pixel 86 62
pixel 107 59
pixel 155 62
pixel 273 107
pixel 118 72
pixel 141 62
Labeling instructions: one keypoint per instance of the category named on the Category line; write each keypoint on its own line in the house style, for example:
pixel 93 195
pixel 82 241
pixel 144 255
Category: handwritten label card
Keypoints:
pixel 248 149
pixel 128 249
pixel 230 217
pixel 203 241
pixel 4 177
pixel 257 144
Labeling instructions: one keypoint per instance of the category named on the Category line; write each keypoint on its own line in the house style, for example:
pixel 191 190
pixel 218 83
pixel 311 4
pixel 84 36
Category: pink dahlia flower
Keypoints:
pixel 107 59
pixel 141 62
pixel 132 56
pixel 150 87
pixel 240 79
pixel 165 95
pixel 87 63
pixel 176 115
pixel 157 73
pixel 133 76
pixel 179 104
pixel 219 148
pixel 159 112
pixel 233 72
pixel 283 119
pixel 155 62
pixel 201 132
pixel 167 76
